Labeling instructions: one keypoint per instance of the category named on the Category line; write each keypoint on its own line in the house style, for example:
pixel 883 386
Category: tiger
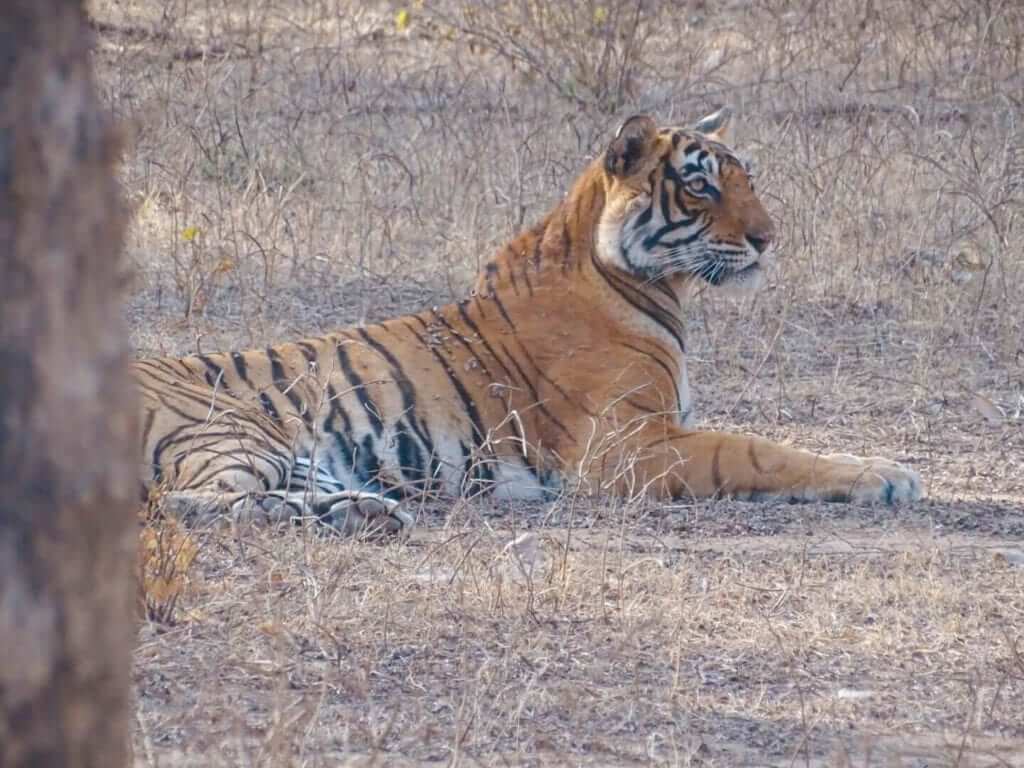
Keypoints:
pixel 564 370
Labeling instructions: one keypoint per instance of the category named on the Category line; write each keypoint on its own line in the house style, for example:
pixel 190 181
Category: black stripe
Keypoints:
pixel 194 432
pixel 641 407
pixel 405 388
pixel 269 408
pixel 287 387
pixel 653 239
pixel 461 338
pixel 368 463
pixel 372 413
pixel 490 270
pixel 216 450
pixel 169 379
pixel 501 308
pixel 410 457
pixel 512 276
pixel 210 454
pixel 183 391
pixel 343 440
pixel 478 475
pixel 479 306
pixel 494 356
pixel 664 200
pixel 483 340
pixel 644 218
pixel 536 396
pixel 185 369
pixel 251 470
pixel 474 356
pixel 189 416
pixel 309 352
pixel 666 290
pixel 549 380
pixel 662 363
pixel 658 314
pixel 467 460
pixel 240 367
pixel 457 385
pixel 148 425
pixel 214 373
pixel 161 445
pixel 205 434
pixel 526 276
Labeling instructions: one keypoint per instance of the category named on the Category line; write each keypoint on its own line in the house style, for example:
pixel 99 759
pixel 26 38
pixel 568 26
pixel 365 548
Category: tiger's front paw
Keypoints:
pixel 874 479
pixel 370 515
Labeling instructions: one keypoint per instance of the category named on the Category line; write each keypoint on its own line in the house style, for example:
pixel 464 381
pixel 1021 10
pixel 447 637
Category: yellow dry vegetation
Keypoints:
pixel 166 554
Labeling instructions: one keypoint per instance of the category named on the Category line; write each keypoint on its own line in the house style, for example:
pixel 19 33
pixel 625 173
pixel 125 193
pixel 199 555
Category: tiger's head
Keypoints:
pixel 681 204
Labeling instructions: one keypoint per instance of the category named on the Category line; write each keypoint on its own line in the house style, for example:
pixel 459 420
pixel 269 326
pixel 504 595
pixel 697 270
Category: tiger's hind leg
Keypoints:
pixel 347 513
pixel 357 513
pixel 239 466
pixel 238 495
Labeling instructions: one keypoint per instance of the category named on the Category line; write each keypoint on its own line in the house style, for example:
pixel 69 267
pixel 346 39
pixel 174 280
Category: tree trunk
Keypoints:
pixel 67 416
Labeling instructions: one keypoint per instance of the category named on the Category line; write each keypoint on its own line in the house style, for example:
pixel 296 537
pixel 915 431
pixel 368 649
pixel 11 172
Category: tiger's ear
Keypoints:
pixel 632 143
pixel 716 125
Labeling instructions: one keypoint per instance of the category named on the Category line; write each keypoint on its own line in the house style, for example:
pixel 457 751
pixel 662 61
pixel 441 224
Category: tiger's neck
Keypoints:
pixel 562 243
pixel 557 260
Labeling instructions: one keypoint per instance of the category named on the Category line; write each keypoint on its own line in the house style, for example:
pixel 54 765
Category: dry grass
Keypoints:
pixel 167 552
pixel 626 643
pixel 301 165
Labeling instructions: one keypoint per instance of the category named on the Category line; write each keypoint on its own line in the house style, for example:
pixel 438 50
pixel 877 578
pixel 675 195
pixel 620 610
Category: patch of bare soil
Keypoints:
pixel 593 634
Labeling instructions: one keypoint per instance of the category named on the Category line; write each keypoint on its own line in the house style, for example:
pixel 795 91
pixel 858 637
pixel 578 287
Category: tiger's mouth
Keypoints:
pixel 742 279
pixel 748 274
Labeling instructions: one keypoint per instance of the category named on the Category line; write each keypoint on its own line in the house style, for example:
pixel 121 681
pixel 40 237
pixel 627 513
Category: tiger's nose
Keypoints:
pixel 760 243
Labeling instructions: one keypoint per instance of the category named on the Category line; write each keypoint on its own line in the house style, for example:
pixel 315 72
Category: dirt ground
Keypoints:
pixel 297 166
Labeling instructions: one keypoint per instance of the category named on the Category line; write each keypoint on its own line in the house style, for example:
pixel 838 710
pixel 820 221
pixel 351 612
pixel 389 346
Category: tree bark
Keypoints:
pixel 67 415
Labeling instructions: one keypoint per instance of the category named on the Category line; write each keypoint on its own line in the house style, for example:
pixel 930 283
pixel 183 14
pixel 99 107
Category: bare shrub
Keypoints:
pixel 589 51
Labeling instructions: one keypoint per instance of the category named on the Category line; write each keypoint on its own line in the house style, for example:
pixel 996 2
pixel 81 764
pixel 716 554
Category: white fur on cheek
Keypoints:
pixel 609 237
pixel 614 220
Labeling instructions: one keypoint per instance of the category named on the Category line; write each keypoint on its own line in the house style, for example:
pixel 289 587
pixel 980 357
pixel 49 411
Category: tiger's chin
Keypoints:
pixel 737 283
pixel 743 281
